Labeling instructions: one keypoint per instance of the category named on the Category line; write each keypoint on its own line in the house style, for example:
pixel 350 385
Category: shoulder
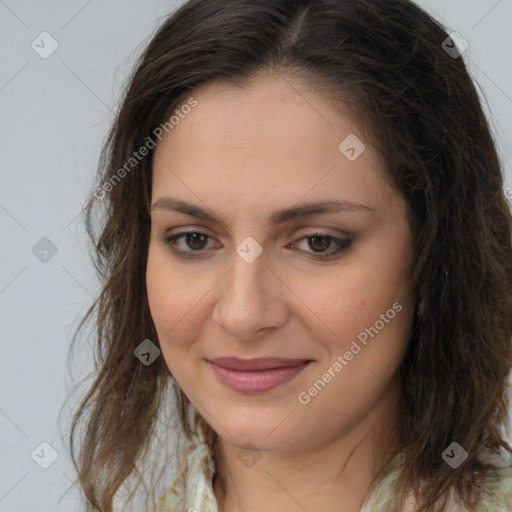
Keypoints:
pixel 498 495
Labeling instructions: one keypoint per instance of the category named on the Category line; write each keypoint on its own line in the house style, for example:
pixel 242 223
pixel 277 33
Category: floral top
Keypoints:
pixel 193 492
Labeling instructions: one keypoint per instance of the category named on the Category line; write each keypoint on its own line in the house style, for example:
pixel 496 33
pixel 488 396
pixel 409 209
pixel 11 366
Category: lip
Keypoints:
pixel 256 375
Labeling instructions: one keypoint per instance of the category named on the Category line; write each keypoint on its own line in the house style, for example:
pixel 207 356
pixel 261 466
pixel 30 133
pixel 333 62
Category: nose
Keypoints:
pixel 250 300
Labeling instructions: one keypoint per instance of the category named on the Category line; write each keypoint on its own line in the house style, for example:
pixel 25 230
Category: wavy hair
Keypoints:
pixel 421 109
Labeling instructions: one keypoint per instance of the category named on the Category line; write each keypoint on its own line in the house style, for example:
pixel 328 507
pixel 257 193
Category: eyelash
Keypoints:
pixel 342 245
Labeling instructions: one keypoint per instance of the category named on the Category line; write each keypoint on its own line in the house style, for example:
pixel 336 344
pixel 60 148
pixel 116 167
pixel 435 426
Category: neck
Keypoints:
pixel 316 476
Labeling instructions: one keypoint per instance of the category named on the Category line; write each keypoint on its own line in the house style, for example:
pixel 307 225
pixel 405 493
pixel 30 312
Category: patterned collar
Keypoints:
pixel 192 491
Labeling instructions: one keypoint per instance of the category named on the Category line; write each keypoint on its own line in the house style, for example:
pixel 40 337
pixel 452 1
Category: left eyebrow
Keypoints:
pixel 277 217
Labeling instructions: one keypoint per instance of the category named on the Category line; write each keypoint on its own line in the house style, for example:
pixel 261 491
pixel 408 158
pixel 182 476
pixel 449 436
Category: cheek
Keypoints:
pixel 341 304
pixel 173 297
pixel 363 355
pixel 167 308
pixel 173 289
pixel 178 298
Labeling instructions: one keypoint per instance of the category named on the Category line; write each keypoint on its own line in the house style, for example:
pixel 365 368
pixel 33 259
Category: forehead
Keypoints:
pixel 274 140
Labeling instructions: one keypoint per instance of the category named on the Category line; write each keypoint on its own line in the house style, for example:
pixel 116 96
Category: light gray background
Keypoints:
pixel 54 114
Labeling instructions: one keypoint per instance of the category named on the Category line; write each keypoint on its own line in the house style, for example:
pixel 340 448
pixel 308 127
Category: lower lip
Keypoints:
pixel 256 381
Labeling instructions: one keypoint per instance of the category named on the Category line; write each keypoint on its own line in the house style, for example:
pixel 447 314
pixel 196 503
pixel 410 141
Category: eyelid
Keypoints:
pixel 306 231
pixel 303 232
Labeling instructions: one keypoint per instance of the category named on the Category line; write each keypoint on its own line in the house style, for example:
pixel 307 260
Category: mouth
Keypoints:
pixel 256 375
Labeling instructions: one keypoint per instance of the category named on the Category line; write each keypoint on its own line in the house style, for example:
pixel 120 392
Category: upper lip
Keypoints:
pixel 264 363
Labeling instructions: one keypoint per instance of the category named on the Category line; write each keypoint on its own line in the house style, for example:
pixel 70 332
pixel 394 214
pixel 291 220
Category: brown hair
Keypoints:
pixel 385 58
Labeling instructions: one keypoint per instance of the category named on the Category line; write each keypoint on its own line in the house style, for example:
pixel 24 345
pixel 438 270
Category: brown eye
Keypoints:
pixel 319 245
pixel 194 242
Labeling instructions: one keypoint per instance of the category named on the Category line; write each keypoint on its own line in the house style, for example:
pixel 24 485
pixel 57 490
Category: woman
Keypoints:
pixel 305 230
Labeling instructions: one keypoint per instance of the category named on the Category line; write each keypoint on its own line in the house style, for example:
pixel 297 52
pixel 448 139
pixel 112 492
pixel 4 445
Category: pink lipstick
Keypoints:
pixel 256 375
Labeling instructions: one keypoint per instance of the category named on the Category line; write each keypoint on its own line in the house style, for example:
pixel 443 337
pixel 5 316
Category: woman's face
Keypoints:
pixel 256 283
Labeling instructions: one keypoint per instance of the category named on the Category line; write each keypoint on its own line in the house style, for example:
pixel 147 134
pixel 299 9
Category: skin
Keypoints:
pixel 244 153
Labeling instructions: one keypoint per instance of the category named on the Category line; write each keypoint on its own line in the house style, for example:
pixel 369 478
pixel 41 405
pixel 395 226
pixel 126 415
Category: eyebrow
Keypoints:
pixel 278 217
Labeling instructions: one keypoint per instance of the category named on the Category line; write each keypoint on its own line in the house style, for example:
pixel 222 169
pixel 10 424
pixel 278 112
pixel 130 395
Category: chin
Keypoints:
pixel 247 439
pixel 257 431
